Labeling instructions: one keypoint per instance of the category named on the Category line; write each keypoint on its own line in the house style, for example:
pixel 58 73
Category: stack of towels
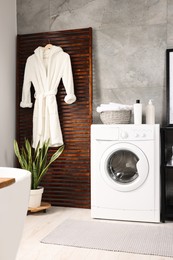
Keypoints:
pixel 113 107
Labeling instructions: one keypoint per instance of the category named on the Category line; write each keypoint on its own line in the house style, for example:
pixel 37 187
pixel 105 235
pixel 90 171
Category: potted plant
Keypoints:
pixel 36 161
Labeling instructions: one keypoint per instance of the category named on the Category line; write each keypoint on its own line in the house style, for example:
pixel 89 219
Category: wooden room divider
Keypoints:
pixel 67 182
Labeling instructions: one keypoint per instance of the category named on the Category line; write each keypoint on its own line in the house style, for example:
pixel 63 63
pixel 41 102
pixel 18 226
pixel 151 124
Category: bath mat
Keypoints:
pixel 151 239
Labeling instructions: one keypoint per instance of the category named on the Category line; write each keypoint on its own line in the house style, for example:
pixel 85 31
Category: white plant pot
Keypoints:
pixel 35 197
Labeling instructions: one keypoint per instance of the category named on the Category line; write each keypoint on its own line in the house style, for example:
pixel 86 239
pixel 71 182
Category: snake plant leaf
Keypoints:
pixel 35 160
pixel 56 154
pixel 17 153
pixel 24 162
pixel 34 176
pixel 52 159
pixel 36 153
pixel 28 151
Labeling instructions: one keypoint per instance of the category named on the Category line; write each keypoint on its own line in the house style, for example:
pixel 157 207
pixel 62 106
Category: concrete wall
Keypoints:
pixel 8 29
pixel 129 42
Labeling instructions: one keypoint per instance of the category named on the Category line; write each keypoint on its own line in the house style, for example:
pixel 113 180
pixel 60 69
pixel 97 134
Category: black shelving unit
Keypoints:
pixel 166 173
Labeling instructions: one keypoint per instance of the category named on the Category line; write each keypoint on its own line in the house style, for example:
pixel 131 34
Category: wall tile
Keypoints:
pixel 130 57
pixel 76 14
pixel 33 16
pixel 170 24
pixel 135 12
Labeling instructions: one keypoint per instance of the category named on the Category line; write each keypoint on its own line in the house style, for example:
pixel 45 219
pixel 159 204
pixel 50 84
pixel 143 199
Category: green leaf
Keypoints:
pixel 17 153
pixel 34 176
pixel 53 158
pixel 28 151
pixel 35 160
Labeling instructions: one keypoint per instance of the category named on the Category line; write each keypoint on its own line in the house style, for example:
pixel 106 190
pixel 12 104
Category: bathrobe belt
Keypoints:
pixel 44 101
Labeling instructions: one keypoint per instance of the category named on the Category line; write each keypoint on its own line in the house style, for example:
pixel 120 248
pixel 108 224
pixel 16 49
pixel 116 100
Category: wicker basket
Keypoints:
pixel 116 117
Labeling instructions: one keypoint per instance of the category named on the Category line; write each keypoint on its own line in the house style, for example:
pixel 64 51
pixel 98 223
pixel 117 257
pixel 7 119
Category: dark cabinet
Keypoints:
pixel 166 173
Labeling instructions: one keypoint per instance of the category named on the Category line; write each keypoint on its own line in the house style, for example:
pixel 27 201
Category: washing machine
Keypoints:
pixel 125 172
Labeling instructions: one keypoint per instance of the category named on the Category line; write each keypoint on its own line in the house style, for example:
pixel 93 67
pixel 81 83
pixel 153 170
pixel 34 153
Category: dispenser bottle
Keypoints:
pixel 137 108
pixel 150 113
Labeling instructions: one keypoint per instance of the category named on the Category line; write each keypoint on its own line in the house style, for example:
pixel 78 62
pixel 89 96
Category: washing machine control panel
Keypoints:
pixel 136 133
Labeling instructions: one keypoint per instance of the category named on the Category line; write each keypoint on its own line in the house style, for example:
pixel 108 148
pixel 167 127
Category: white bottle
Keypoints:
pixel 137 108
pixel 150 113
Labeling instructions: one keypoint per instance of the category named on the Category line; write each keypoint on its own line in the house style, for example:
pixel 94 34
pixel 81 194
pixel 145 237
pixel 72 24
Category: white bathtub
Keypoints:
pixel 13 209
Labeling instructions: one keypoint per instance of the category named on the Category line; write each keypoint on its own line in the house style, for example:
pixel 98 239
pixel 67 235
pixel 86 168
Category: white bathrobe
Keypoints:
pixel 44 69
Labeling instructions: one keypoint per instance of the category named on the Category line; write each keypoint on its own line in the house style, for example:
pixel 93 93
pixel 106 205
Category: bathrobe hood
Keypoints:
pixel 45 79
pixel 40 50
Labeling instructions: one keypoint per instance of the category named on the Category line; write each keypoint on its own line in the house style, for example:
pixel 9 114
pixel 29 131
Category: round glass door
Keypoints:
pixel 124 166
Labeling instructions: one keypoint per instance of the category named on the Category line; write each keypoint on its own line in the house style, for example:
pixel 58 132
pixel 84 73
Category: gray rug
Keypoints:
pixel 137 238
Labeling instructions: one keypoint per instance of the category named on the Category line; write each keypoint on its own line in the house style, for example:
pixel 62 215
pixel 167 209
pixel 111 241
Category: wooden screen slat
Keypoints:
pixel 68 180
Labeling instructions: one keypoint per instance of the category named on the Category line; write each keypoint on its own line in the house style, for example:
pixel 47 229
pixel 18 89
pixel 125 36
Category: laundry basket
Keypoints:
pixel 116 117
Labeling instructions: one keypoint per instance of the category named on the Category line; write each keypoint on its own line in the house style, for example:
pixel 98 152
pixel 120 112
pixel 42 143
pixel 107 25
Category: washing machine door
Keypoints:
pixel 124 166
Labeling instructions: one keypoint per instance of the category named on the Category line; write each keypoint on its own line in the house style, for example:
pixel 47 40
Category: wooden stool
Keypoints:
pixel 43 207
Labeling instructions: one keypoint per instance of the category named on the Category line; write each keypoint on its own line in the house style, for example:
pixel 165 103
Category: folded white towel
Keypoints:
pixel 113 107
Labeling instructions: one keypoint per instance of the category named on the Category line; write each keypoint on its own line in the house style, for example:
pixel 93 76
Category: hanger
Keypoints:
pixel 48 46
